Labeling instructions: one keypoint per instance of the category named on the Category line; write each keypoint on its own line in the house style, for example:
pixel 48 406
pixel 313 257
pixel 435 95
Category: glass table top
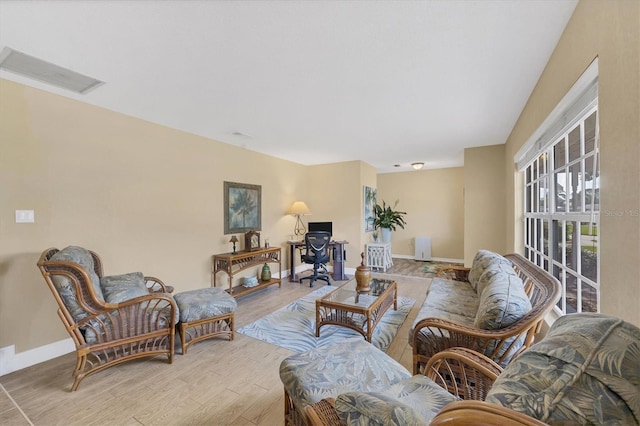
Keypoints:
pixel 347 294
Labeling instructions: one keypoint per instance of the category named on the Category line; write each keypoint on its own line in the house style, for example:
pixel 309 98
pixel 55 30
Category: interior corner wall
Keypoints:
pixel 433 200
pixel 484 201
pixel 610 31
pixel 144 197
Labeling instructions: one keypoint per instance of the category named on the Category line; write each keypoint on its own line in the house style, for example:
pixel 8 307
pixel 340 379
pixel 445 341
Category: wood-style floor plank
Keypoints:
pixel 217 382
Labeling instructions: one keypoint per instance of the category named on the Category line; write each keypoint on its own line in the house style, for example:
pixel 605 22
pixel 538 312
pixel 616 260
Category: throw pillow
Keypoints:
pixel 118 288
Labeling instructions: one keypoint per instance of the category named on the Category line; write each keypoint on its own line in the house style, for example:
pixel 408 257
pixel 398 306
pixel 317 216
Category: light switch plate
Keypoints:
pixel 25 216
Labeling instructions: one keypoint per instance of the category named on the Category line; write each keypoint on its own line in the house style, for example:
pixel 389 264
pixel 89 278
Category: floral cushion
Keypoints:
pixel 118 288
pixel 585 371
pixel 481 261
pixel 409 402
pixel 328 371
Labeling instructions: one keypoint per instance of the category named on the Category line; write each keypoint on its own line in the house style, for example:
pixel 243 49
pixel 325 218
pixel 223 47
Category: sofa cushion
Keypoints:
pixel 328 371
pixel 585 371
pixel 502 300
pixel 451 300
pixel 481 261
pixel 118 288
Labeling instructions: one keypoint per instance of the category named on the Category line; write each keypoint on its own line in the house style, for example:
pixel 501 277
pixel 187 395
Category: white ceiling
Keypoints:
pixel 385 82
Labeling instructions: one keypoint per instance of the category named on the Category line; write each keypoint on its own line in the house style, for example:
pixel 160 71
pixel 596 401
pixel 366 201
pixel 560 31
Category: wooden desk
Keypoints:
pixel 234 263
pixel 338 259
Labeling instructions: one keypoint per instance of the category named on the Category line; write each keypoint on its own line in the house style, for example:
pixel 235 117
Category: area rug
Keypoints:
pixel 294 326
pixel 432 267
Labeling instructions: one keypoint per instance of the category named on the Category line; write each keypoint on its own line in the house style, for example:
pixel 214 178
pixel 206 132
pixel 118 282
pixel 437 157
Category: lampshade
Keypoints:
pixel 299 208
pixel 233 239
pixel 417 166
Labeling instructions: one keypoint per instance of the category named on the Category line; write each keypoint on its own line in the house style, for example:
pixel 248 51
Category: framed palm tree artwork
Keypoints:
pixel 242 207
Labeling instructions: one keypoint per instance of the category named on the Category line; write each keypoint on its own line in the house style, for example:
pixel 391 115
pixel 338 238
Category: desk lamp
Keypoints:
pixel 297 209
pixel 234 240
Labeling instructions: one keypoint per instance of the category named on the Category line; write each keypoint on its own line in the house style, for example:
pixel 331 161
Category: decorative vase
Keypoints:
pixel 386 235
pixel 266 273
pixel 363 277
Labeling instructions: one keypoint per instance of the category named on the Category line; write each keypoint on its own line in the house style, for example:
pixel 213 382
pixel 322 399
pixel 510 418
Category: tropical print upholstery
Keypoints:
pixel 118 288
pixel 64 286
pixel 481 262
pixel 413 401
pixel 204 303
pixel 328 371
pixel 503 300
pixel 585 371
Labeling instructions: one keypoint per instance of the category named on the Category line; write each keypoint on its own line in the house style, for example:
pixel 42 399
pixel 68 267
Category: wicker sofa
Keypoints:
pixel 584 371
pixel 495 308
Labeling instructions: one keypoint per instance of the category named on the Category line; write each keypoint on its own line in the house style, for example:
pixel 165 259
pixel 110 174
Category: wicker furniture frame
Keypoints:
pixel 473 373
pixel 196 331
pixel 499 345
pixel 128 330
pixel 345 314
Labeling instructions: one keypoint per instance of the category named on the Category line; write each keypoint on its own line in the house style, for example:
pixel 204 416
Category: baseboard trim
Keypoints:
pixel 10 361
pixel 435 259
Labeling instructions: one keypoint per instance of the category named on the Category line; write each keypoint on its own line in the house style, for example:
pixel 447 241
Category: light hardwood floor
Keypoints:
pixel 218 382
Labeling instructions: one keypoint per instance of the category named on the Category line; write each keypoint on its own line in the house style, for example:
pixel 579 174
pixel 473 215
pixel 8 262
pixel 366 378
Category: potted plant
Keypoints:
pixel 387 219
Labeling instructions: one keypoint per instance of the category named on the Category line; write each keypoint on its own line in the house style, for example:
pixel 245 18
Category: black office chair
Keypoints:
pixel 317 253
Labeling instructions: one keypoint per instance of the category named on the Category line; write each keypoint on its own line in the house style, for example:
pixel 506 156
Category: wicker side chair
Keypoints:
pixel 106 334
pixel 433 335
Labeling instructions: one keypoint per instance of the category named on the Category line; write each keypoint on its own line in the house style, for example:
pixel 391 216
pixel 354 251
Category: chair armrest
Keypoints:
pixel 457 273
pixel 433 335
pixel 481 413
pixel 463 372
pixel 155 285
pixel 322 413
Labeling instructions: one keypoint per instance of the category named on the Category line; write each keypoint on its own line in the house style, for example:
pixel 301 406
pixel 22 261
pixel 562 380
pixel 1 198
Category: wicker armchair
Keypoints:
pixel 433 335
pixel 106 334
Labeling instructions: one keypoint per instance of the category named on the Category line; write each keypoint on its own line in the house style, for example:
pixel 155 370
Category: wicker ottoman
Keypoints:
pixel 204 313
pixel 328 371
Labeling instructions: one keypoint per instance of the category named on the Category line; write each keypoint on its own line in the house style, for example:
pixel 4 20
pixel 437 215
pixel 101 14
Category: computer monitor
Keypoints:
pixel 321 226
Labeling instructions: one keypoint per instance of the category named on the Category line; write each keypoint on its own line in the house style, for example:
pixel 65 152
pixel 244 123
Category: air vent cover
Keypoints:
pixel 46 72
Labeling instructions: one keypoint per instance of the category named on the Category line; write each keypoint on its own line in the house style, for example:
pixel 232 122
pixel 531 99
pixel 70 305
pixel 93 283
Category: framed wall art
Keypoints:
pixel 242 207
pixel 369 198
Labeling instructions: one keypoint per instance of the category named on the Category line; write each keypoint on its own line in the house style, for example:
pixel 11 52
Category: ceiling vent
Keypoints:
pixel 46 72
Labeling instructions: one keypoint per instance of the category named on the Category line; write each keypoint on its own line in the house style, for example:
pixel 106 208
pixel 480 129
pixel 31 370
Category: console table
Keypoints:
pixel 231 264
pixel 379 256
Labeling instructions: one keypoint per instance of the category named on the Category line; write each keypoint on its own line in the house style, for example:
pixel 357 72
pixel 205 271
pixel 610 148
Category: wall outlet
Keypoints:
pixel 25 216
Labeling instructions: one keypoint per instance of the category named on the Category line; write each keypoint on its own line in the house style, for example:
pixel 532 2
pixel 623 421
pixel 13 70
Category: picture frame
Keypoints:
pixel 369 201
pixel 242 207
pixel 252 241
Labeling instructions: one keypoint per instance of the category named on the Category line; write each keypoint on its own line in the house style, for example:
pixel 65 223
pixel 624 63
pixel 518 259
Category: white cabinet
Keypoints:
pixel 423 248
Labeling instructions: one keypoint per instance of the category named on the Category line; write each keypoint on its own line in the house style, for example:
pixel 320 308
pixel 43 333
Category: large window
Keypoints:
pixel 561 210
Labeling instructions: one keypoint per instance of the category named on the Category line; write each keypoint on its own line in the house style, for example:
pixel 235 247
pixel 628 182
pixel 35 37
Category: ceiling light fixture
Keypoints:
pixel 417 166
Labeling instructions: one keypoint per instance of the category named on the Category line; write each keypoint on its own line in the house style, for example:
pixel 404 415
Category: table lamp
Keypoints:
pixel 297 209
pixel 234 240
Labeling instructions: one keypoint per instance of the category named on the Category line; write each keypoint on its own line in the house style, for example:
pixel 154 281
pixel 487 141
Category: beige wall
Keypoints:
pixel 484 200
pixel 145 197
pixel 433 200
pixel 610 31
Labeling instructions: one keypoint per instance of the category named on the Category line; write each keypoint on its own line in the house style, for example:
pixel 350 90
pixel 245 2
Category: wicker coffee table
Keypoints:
pixel 358 311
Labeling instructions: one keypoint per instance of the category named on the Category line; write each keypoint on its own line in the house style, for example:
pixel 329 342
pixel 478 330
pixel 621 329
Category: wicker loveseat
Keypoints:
pixel 495 308
pixel 584 371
